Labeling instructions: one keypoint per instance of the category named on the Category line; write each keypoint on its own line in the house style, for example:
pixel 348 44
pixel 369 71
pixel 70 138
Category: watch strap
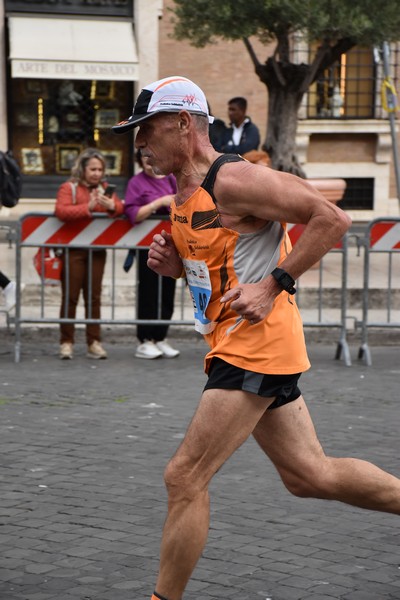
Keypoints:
pixel 285 280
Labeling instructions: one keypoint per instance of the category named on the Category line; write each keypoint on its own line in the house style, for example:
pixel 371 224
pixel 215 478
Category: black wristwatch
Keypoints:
pixel 285 280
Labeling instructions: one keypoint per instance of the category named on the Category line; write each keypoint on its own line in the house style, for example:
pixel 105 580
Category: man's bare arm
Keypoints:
pixel 243 189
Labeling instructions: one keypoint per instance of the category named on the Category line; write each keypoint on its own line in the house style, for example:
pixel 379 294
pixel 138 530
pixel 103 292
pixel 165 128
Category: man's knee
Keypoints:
pixel 181 480
pixel 318 483
pixel 300 488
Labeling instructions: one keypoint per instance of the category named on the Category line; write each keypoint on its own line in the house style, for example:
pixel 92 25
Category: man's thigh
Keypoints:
pixel 223 420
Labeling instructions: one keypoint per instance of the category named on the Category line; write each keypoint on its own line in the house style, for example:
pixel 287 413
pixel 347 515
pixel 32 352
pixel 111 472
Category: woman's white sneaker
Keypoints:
pixel 167 350
pixel 148 349
pixel 10 295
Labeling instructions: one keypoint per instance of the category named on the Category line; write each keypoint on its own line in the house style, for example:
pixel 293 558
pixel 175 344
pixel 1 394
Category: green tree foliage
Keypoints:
pixel 334 26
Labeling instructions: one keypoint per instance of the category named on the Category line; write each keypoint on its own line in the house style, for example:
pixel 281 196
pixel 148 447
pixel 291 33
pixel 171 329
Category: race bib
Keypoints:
pixel 198 278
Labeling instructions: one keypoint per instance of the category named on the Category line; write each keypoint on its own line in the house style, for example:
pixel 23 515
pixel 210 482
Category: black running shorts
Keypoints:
pixel 283 388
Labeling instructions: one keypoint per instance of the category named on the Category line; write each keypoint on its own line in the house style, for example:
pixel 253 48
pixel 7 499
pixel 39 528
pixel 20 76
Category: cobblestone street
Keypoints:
pixel 83 503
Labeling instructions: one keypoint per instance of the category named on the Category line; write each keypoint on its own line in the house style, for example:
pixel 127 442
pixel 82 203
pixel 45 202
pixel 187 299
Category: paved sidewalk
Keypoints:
pixel 82 502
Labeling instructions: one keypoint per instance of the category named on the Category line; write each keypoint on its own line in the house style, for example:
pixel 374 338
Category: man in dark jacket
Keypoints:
pixel 242 135
pixel 217 131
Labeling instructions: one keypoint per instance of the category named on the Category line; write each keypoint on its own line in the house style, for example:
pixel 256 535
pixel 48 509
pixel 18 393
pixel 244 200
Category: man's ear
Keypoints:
pixel 183 119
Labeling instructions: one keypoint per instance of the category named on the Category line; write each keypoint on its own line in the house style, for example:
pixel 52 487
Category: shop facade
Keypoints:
pixel 71 71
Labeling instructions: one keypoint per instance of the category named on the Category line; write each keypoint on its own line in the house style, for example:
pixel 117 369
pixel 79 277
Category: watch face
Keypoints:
pixel 285 280
pixel 287 283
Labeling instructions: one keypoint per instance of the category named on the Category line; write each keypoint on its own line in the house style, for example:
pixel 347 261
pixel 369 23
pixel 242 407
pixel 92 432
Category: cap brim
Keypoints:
pixel 130 123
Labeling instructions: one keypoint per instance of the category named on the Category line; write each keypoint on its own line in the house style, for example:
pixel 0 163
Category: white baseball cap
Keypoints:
pixel 171 94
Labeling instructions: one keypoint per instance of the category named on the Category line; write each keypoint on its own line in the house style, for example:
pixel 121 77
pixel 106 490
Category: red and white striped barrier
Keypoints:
pixel 38 230
pixel 384 236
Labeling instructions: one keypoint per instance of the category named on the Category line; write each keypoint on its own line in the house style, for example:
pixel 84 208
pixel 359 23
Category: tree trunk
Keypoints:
pixel 284 81
pixel 287 83
pixel 280 142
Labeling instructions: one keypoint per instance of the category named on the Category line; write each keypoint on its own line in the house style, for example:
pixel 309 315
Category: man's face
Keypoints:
pixel 158 140
pixel 236 114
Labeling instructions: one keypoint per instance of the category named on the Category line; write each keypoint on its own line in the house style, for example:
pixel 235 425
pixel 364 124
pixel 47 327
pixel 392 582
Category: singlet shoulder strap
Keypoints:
pixel 209 180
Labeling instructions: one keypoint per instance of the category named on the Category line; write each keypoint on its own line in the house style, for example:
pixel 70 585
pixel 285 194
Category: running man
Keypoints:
pixel 229 240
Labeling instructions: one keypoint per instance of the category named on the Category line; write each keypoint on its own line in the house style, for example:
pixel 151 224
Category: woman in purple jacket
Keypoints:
pixel 147 194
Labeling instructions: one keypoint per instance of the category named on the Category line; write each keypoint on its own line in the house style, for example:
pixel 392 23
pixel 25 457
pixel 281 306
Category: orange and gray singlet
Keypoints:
pixel 216 259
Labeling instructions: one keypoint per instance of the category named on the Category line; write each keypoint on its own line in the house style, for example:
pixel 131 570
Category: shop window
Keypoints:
pixel 346 89
pixel 53 120
pixel 359 194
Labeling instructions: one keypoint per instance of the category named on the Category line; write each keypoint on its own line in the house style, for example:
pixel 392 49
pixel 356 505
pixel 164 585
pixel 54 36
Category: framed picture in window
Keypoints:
pixel 24 118
pixel 106 117
pixel 32 161
pixel 71 120
pixel 104 90
pixel 113 161
pixel 36 88
pixel 66 155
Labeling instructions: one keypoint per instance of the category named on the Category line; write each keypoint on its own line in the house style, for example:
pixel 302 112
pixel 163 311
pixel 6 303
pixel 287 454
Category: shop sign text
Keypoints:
pixel 74 70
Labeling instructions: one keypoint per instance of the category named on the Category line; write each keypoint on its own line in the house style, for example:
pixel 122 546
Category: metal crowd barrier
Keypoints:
pixel 44 230
pixel 321 315
pixel 382 239
pixel 10 236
